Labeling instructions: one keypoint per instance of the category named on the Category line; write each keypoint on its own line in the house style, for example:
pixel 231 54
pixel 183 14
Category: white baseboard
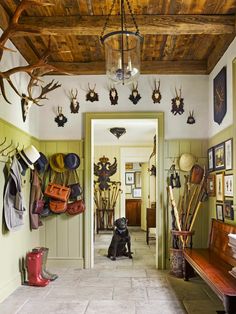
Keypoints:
pixel 6 288
pixel 65 262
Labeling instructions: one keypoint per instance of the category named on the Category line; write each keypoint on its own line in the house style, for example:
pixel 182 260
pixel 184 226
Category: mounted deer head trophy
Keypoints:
pixel 191 119
pixel 91 95
pixel 156 94
pixel 74 104
pixel 113 95
pixel 135 96
pixel 36 70
pixel 177 103
pixel 60 118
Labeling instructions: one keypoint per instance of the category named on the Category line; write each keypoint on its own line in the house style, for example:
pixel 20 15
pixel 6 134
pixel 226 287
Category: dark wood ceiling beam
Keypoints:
pixel 147 67
pixel 148 24
pixel 20 42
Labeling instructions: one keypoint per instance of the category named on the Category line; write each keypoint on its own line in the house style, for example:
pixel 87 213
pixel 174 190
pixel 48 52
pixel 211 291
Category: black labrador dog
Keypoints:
pixel 120 238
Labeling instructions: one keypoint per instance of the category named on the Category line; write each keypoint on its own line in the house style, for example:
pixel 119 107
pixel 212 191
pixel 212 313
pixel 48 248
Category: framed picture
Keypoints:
pixel 128 189
pixel 219 156
pixel 220 96
pixel 229 154
pixel 229 185
pixel 137 193
pixel 220 187
pixel 211 185
pixel 219 212
pixel 129 178
pixel 138 179
pixel 211 159
pixel 228 210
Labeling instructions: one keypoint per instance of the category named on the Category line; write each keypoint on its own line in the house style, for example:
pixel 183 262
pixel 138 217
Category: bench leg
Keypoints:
pixel 188 270
pixel 229 304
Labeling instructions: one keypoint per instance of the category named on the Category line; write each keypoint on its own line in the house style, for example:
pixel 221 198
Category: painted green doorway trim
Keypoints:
pixel 88 219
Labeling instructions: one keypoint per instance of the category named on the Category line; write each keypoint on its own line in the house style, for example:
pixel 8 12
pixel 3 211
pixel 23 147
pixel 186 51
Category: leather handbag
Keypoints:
pixel 38 206
pixel 196 174
pixel 76 189
pixel 57 192
pixel 75 208
pixel 57 207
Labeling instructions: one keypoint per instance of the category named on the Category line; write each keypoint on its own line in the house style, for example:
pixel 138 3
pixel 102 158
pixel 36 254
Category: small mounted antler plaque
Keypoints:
pixel 74 104
pixel 177 103
pixel 156 94
pixel 135 96
pixel 91 95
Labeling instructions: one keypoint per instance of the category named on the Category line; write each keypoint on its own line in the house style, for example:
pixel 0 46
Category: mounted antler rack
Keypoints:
pixel 35 71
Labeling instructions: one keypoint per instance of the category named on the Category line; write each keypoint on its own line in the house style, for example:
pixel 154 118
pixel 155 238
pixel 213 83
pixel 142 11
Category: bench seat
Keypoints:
pixel 214 263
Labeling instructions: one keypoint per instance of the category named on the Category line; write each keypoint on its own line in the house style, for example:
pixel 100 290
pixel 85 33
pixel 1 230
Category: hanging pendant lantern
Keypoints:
pixel 122 49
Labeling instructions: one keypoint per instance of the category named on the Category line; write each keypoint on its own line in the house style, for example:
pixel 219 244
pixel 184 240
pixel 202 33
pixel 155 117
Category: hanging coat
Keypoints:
pixel 35 194
pixel 13 197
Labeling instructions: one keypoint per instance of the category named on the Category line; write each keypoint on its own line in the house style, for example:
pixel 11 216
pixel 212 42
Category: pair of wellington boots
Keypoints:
pixel 36 266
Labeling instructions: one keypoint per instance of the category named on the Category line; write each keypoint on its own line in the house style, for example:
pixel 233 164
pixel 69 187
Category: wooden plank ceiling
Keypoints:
pixel 180 36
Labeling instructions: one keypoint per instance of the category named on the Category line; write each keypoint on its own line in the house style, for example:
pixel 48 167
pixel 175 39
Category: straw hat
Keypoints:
pixel 186 162
pixel 57 162
pixel 29 155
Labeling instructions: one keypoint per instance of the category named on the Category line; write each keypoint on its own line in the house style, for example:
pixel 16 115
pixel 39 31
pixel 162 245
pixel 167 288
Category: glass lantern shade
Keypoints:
pixel 122 51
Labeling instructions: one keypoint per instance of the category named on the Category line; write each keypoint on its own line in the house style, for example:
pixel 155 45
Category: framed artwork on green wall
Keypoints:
pixel 220 96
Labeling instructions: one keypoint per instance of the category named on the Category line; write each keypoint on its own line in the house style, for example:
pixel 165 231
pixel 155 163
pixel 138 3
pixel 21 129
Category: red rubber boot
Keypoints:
pixel 34 267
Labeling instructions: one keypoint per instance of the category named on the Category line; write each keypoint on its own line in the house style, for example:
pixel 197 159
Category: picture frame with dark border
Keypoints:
pixel 229 185
pixel 229 154
pixel 228 209
pixel 129 178
pixel 219 156
pixel 137 193
pixel 211 159
pixel 220 187
pixel 220 95
pixel 211 184
pixel 219 212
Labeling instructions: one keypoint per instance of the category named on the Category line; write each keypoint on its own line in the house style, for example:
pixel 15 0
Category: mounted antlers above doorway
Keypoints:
pixel 36 70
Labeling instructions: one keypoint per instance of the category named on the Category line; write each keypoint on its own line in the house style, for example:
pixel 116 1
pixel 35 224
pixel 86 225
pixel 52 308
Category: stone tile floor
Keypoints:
pixel 123 286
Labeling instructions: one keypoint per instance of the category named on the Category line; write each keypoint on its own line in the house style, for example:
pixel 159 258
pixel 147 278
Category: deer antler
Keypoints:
pixel 177 96
pixel 35 70
pixel 159 83
pixel 74 96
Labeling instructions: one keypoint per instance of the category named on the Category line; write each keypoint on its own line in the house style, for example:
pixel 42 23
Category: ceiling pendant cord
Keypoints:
pixel 107 20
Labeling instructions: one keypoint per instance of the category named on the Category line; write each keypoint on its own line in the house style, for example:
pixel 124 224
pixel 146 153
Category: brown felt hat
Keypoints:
pixel 57 162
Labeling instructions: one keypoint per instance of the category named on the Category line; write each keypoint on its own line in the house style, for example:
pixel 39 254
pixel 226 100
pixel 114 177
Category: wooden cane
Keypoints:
pixel 176 213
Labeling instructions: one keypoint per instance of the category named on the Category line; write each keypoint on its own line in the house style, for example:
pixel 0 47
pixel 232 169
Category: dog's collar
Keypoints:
pixel 120 230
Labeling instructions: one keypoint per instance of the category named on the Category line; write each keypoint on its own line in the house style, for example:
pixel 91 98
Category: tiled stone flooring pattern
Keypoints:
pixel 123 286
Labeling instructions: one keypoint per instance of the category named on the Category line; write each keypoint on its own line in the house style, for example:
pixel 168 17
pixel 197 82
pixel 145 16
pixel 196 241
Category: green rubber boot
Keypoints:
pixel 45 273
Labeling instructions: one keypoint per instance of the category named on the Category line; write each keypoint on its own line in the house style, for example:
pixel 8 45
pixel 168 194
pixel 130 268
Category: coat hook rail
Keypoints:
pixel 11 151
pixel 3 150
pixel 4 141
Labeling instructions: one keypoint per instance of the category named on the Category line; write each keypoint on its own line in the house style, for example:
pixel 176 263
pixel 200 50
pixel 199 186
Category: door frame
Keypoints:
pixel 88 167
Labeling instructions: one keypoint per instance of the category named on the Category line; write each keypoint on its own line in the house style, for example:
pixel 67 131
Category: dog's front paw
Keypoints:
pixel 130 256
pixel 113 258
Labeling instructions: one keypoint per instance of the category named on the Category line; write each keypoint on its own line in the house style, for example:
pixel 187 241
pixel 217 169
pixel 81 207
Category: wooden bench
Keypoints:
pixel 150 222
pixel 213 264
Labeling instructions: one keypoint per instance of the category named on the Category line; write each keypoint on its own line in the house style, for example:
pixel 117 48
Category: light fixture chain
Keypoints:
pixel 108 18
pixel 132 15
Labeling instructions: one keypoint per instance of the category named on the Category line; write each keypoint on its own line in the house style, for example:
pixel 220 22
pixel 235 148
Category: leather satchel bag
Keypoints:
pixel 57 207
pixel 57 192
pixel 38 206
pixel 196 174
pixel 76 189
pixel 75 208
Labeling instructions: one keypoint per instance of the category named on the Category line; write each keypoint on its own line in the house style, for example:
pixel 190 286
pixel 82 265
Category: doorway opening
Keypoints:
pixel 94 119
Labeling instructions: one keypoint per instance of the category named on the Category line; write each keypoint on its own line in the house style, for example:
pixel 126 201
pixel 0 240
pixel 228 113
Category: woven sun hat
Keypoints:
pixel 41 163
pixel 29 155
pixel 57 162
pixel 186 162
pixel 72 161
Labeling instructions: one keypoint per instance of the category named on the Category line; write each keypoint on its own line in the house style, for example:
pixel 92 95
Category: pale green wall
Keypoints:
pixel 14 245
pixel 63 234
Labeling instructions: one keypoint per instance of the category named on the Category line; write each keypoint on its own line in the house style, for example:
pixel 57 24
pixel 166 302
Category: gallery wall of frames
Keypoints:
pixel 220 180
